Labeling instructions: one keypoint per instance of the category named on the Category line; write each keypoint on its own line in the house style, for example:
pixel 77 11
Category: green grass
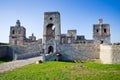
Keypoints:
pixel 64 71
pixel 1 62
pixel 5 45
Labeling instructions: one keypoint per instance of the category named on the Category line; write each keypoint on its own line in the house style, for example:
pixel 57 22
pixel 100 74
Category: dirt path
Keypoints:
pixel 18 63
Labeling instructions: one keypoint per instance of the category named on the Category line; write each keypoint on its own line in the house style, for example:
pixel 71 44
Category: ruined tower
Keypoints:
pixel 51 31
pixel 32 37
pixel 17 34
pixel 101 33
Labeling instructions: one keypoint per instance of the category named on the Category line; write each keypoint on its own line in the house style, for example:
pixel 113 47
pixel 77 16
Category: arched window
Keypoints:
pixel 50 49
pixel 50 32
pixel 101 42
pixel 51 18
pixel 97 30
pixel 53 27
pixel 13 32
pixel 105 31
pixel 19 32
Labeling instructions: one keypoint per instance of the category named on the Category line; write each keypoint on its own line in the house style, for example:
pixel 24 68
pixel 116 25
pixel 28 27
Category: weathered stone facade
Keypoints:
pixel 18 35
pixel 51 31
pixel 32 37
pixel 72 37
pixel 73 52
pixel 3 51
pixel 110 54
pixel 24 52
pixel 70 46
pixel 101 33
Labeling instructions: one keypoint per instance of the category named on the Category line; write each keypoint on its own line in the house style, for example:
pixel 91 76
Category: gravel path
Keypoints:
pixel 17 64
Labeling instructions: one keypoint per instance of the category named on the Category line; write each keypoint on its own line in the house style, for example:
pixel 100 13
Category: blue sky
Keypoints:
pixel 75 14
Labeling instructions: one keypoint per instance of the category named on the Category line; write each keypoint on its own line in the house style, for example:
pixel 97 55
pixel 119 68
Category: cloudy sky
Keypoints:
pixel 75 14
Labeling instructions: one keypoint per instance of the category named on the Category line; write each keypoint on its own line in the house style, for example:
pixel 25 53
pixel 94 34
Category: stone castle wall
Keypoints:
pixel 110 54
pixel 3 51
pixel 79 52
pixel 24 52
pixel 115 53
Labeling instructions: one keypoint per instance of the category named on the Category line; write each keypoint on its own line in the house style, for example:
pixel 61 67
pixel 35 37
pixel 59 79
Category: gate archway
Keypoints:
pixel 50 49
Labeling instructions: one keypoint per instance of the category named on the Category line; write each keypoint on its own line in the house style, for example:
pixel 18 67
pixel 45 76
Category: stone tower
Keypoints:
pixel 101 33
pixel 17 34
pixel 32 37
pixel 51 31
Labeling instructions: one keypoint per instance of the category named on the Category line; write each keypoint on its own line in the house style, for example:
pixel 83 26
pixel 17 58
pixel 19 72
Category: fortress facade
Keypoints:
pixel 52 33
pixel 18 35
pixel 66 47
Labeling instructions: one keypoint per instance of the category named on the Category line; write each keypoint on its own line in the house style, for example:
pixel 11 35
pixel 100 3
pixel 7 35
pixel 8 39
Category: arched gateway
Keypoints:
pixel 50 49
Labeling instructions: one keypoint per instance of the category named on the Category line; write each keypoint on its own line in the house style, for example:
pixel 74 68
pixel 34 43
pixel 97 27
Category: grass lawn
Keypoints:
pixel 1 62
pixel 64 71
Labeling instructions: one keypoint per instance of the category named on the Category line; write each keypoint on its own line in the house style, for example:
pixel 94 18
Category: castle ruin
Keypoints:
pixel 52 33
pixel 18 35
pixel 70 46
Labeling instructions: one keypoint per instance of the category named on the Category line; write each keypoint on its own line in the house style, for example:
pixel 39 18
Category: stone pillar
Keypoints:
pixel 57 29
pixel 44 33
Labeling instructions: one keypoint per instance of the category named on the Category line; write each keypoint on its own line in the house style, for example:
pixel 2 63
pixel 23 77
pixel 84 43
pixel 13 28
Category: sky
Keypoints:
pixel 75 14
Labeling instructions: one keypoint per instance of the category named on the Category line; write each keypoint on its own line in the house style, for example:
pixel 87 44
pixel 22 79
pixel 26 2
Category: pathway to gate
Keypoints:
pixel 17 64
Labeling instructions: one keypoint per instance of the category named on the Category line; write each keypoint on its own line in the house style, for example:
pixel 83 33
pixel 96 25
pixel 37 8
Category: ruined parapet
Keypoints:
pixel 32 37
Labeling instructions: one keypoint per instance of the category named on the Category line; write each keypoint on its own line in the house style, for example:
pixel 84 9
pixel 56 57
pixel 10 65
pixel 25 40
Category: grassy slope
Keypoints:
pixel 1 62
pixel 64 71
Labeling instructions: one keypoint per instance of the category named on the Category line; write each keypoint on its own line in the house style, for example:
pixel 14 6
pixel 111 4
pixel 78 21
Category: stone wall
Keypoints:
pixel 51 57
pixel 106 54
pixel 110 54
pixel 116 54
pixel 72 52
pixel 26 56
pixel 3 51
pixel 23 52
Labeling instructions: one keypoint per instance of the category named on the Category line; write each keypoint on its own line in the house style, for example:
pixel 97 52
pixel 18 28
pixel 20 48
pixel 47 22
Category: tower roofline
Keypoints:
pixel 99 24
pixel 56 12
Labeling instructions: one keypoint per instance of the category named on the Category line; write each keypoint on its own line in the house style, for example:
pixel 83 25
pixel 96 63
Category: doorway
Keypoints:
pixel 50 49
pixel 101 42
